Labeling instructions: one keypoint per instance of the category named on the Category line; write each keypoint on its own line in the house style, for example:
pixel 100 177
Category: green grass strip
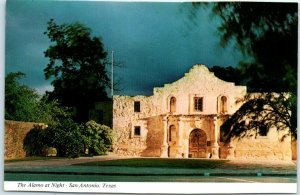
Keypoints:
pixel 159 162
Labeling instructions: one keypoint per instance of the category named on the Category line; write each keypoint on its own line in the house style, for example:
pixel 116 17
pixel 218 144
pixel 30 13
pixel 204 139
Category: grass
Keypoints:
pixel 158 162
pixel 32 158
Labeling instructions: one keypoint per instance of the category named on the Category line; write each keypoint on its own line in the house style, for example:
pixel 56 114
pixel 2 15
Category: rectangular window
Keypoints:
pixel 198 104
pixel 263 130
pixel 137 106
pixel 137 131
pixel 208 143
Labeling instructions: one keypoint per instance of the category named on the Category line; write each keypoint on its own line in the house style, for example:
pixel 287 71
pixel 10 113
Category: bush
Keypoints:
pixel 97 138
pixel 34 142
pixel 66 138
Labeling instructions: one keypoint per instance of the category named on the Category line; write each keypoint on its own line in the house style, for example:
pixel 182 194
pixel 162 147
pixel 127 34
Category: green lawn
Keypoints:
pixel 159 162
pixel 32 158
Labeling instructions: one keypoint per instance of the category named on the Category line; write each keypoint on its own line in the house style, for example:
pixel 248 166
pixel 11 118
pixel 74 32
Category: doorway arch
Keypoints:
pixel 198 144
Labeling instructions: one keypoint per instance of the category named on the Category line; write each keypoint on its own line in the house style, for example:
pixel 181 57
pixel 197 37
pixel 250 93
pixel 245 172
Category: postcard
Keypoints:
pixel 150 97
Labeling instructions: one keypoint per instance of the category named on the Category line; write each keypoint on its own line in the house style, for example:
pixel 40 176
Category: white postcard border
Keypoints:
pixel 150 187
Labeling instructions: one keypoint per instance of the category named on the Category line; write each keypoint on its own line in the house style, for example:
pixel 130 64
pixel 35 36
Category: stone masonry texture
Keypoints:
pixel 182 119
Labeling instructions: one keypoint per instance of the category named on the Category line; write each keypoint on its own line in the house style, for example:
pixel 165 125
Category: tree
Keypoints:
pixel 258 114
pixel 24 104
pixel 21 102
pixel 77 64
pixel 229 74
pixel 267 35
pixel 52 112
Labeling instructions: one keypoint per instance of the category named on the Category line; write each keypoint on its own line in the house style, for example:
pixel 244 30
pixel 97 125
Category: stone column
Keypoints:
pixel 186 148
pixel 180 135
pixel 164 148
pixel 215 145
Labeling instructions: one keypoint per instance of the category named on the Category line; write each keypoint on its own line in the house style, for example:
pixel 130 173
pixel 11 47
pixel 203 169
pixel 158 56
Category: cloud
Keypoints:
pixel 150 39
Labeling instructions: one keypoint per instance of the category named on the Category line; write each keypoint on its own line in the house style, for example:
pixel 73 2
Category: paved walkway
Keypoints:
pixel 233 167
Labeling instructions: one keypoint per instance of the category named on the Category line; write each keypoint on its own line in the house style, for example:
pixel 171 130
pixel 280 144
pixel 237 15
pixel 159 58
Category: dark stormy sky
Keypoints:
pixel 155 42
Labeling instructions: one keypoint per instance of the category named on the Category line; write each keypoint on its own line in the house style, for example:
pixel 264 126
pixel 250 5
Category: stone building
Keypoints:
pixel 183 119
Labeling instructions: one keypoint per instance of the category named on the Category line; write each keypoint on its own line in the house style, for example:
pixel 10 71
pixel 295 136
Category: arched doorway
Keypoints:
pixel 198 144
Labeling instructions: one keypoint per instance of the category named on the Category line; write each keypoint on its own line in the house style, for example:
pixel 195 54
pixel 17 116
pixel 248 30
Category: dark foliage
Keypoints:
pixel 24 104
pixel 35 142
pixel 66 138
pixel 258 114
pixel 267 35
pixel 21 102
pixel 228 74
pixel 77 64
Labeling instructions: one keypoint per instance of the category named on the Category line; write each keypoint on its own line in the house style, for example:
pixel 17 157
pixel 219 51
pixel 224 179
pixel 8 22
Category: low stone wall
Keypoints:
pixel 14 135
pixel 263 148
pixel 277 145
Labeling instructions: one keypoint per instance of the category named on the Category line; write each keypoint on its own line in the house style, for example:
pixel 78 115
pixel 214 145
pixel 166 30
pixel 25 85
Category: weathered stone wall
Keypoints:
pixel 14 135
pixel 223 150
pixel 155 136
pixel 294 149
pixel 273 146
pixel 156 118
pixel 198 82
pixel 124 121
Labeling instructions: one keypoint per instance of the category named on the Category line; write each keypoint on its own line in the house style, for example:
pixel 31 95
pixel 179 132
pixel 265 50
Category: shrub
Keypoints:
pixel 66 138
pixel 34 142
pixel 97 138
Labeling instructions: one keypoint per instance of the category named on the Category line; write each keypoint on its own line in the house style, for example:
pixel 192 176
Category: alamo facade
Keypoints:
pixel 182 120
